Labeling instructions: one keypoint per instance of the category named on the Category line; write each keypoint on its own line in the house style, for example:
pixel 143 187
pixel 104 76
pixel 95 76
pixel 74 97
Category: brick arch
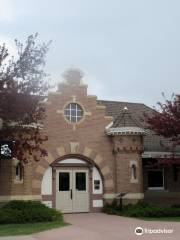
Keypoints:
pixel 80 157
pixel 73 150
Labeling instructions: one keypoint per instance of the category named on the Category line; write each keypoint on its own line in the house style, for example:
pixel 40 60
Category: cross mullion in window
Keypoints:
pixel 73 112
pixel 76 113
pixel 70 113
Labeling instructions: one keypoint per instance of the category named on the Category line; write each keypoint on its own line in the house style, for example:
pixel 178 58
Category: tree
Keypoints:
pixel 166 123
pixel 23 83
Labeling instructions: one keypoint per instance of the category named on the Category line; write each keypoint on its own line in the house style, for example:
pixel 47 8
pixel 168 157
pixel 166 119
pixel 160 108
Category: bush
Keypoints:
pixel 142 209
pixel 112 208
pixel 176 206
pixel 28 212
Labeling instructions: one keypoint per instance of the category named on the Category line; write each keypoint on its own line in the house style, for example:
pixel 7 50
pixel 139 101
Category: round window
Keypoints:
pixel 73 112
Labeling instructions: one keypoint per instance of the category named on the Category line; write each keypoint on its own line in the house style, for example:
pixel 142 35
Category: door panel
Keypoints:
pixel 63 190
pixel 80 191
pixel 72 190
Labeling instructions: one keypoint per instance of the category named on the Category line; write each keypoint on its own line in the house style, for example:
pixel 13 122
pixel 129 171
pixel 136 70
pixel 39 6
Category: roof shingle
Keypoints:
pixel 135 117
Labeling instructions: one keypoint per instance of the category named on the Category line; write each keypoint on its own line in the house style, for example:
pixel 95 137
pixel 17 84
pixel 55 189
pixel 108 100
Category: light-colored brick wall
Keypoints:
pixel 128 151
pixel 87 138
pixel 5 177
pixel 112 155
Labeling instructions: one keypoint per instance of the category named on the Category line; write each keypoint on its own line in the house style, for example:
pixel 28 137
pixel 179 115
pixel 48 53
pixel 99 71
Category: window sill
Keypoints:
pixel 16 181
pixel 156 189
pixel 134 180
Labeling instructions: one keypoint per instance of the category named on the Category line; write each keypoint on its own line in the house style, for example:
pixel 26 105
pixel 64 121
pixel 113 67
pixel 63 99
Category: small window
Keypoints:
pixel 96 184
pixel 134 172
pixel 19 172
pixel 73 112
pixel 81 181
pixel 156 179
pixel 64 181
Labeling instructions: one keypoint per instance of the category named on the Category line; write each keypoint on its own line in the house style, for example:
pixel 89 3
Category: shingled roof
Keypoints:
pixel 137 110
pixel 125 119
pixel 152 142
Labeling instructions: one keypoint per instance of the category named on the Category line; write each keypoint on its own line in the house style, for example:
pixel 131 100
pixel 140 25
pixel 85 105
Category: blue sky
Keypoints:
pixel 129 50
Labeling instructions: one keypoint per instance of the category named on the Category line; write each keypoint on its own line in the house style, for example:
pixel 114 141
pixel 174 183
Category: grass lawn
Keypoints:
pixel 28 228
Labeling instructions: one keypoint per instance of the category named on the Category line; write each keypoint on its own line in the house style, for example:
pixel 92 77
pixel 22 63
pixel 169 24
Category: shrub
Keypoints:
pixel 112 208
pixel 176 206
pixel 28 212
pixel 142 209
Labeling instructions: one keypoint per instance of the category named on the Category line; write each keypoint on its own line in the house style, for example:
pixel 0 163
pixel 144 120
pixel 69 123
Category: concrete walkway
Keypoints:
pixel 100 226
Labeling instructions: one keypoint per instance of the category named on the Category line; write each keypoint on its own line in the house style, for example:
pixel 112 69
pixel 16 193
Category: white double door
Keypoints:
pixel 72 190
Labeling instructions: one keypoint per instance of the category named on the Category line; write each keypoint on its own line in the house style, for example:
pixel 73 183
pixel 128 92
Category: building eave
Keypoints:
pixel 153 154
pixel 31 125
pixel 126 131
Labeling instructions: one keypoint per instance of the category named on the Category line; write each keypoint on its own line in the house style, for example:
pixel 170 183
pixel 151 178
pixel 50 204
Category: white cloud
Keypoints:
pixel 6 12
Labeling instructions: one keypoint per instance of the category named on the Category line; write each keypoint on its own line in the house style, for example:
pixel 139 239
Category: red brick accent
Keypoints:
pixel 47 197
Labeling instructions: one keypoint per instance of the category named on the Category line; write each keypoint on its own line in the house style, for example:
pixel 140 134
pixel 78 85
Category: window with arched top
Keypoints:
pixel 134 171
pixel 19 172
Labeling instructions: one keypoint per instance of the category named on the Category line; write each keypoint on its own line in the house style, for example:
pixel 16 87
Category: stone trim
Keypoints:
pixel 59 111
pixel 98 159
pixel 74 97
pixel 61 150
pixel 74 146
pixel 108 117
pixel 125 131
pixel 87 152
pixel 134 196
pixel 85 113
pixel 49 158
pixel 127 196
pixel 40 169
pixel 133 162
pixel 132 180
pixel 109 195
pixel 100 107
pixel 16 181
pixel 67 151
pixel 20 197
pixel 105 170
pixel 72 165
pixel 92 96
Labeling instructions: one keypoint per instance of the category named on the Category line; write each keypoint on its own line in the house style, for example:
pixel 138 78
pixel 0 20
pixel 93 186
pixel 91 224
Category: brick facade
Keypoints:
pixel 112 155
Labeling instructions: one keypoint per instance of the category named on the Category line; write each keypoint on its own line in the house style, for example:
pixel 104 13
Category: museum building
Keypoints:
pixel 97 150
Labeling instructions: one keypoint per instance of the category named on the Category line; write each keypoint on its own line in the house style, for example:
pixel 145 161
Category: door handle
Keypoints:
pixel 71 194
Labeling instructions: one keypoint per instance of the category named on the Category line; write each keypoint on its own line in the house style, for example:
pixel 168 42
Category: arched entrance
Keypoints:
pixel 72 187
pixel 77 185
